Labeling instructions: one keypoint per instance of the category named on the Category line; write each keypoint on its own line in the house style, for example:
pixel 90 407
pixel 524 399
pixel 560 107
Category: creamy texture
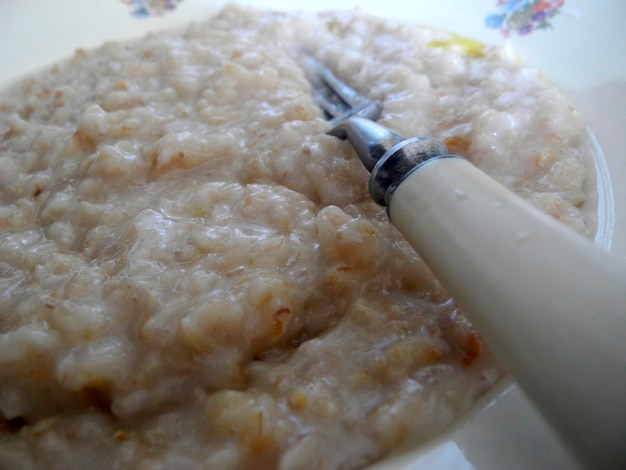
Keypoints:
pixel 193 274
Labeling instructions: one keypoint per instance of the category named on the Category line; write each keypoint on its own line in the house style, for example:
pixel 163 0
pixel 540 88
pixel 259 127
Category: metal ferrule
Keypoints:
pixel 399 162
pixel 387 155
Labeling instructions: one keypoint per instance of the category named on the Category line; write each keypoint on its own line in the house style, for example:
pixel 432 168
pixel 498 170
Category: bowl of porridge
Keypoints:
pixel 193 273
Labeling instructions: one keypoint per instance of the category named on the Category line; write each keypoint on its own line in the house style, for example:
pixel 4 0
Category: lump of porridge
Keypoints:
pixel 193 274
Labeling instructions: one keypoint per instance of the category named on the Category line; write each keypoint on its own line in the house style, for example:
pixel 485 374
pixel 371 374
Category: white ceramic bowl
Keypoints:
pixel 578 44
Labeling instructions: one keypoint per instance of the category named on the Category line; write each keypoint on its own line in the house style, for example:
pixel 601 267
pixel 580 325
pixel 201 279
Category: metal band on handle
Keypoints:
pixel 399 162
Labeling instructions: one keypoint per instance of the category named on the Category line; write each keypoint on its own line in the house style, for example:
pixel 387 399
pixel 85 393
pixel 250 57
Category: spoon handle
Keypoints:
pixel 550 303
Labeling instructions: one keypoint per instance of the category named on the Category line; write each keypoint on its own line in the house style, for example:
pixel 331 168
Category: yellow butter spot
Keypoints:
pixel 462 43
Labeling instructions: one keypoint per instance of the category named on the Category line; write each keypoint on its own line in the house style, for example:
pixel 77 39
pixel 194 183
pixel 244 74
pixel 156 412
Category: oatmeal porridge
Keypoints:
pixel 192 272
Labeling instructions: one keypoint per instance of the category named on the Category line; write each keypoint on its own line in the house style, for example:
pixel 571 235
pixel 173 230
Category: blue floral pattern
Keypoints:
pixel 522 17
pixel 145 8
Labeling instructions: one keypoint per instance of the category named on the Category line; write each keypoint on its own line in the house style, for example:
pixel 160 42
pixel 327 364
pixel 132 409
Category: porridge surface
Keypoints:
pixel 193 274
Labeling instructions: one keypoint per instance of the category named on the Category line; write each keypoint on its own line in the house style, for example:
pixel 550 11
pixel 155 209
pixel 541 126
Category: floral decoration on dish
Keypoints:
pixel 145 8
pixel 523 16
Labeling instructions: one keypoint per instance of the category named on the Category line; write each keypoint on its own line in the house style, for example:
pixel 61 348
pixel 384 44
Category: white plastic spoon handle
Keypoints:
pixel 550 303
